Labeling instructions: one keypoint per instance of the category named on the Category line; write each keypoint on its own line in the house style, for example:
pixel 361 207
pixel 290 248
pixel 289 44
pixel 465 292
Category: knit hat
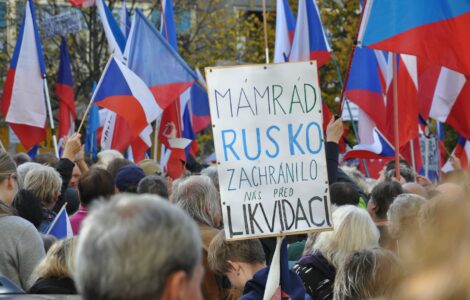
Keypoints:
pixel 128 177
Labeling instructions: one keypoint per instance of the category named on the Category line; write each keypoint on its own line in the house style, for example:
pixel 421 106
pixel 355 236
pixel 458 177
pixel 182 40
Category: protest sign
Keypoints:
pixel 267 127
pixel 62 24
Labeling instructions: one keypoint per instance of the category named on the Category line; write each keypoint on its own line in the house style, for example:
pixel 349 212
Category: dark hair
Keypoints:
pixel 153 184
pixel 95 184
pixel 383 195
pixel 390 165
pixel 115 165
pixel 21 158
pixel 29 207
pixel 407 173
pixel 343 193
pixel 48 159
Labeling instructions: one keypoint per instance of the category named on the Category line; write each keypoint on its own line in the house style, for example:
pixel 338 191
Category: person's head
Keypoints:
pixel 343 193
pixel 95 184
pixel 59 260
pixel 382 196
pixel 357 177
pixel 390 165
pixel 28 207
pixel 238 260
pixel 8 178
pixel 212 173
pixel 21 158
pixel 451 190
pixel 106 156
pixel 150 167
pixel 153 184
pixel 403 215
pixel 198 196
pixel 367 274
pixel 414 188
pixel 405 172
pixel 76 174
pixel 23 170
pixel 45 183
pixel 127 178
pixel 47 159
pixel 116 164
pixel 354 230
pixel 138 247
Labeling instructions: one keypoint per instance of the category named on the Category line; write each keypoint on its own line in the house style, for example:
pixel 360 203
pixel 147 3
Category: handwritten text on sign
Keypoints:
pixel 267 126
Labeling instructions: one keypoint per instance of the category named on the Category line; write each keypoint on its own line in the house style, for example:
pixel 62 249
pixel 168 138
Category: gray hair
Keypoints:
pixel 367 274
pixel 407 173
pixel 45 183
pixel 23 169
pixel 403 214
pixel 354 230
pixel 198 196
pixel 153 184
pixel 211 172
pixel 105 157
pixel 129 246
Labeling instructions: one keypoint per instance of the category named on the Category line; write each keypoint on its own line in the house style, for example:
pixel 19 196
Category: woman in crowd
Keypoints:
pixel 354 231
pixel 54 273
pixel 21 247
pixel 367 274
pixel 45 183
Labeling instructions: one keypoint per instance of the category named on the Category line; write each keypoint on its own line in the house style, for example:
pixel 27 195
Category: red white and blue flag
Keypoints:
pixel 65 93
pixel 61 227
pixel 114 36
pixel 201 117
pixel 310 41
pixel 380 148
pixel 436 30
pixel 82 3
pixel 123 92
pixel 462 152
pixel 23 100
pixel 285 28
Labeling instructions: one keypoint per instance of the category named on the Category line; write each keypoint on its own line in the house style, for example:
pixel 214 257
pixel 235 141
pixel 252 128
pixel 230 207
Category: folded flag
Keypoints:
pixel 462 152
pixel 65 94
pixel 310 41
pixel 380 148
pixel 432 29
pixel 285 28
pixel 123 92
pixel 61 227
pixel 23 101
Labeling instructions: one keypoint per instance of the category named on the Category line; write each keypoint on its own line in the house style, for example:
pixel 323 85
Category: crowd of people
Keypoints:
pixel 141 235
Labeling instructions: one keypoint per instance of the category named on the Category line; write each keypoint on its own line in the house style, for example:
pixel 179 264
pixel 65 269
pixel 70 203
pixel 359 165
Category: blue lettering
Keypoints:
pixel 293 139
pixel 229 145
pixel 276 145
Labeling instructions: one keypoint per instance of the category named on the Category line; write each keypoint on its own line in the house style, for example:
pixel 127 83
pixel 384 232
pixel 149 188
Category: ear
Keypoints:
pixel 235 266
pixel 176 286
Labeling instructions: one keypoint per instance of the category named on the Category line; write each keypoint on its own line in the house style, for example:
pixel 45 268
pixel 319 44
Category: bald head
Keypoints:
pixel 451 190
pixel 414 188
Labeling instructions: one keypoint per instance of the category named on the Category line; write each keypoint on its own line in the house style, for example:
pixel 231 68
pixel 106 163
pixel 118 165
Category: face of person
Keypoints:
pixel 10 188
pixel 76 174
pixel 235 279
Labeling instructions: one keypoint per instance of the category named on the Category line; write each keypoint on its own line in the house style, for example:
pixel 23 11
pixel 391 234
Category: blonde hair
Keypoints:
pixel 58 261
pixel 354 230
pixel 45 183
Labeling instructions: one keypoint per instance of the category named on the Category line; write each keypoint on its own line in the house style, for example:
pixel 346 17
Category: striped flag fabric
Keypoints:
pixel 23 101
pixel 462 152
pixel 310 41
pixel 65 93
pixel 380 148
pixel 435 30
pixel 123 92
pixel 114 36
pixel 285 28
pixel 61 227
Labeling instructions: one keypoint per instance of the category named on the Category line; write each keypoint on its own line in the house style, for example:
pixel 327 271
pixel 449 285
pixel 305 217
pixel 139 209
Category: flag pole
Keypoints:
pixel 265 25
pixel 395 116
pixel 412 151
pixel 51 117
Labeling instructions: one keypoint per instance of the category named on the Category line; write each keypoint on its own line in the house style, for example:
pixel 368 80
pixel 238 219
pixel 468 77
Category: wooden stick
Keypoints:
pixel 265 25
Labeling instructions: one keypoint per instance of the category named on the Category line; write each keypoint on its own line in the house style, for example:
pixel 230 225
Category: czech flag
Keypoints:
pixel 61 227
pixel 65 94
pixel 462 152
pixel 154 60
pixel 380 148
pixel 285 28
pixel 23 100
pixel 310 41
pixel 123 92
pixel 114 36
pixel 436 30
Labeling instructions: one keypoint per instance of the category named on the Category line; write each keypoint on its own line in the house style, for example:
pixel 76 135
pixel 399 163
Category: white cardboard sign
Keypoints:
pixel 267 126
